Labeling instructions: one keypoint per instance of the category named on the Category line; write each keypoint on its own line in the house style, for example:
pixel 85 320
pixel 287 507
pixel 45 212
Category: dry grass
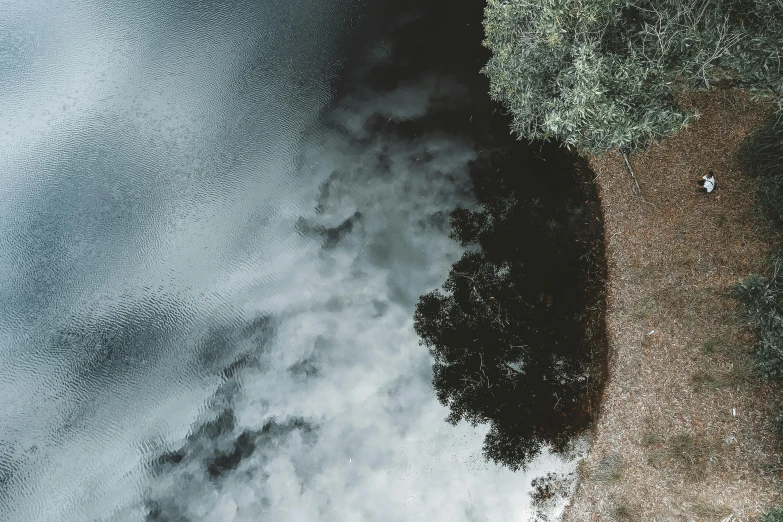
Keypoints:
pixel 678 354
pixel 625 512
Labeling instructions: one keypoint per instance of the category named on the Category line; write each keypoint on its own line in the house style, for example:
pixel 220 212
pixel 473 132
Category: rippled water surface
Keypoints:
pixel 210 254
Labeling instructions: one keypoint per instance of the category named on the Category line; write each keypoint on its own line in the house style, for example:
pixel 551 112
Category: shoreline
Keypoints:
pixel 665 445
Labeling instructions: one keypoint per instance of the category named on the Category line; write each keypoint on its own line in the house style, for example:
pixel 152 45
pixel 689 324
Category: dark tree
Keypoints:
pixel 506 334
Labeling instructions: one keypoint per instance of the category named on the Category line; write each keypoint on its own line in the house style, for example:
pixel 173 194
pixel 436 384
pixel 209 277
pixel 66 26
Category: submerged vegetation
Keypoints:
pixel 599 75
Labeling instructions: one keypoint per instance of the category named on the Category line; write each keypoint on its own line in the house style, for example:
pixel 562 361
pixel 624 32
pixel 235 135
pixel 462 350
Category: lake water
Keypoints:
pixel 215 221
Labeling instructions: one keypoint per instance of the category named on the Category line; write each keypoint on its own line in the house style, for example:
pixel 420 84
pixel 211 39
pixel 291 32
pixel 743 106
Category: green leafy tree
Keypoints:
pixel 601 74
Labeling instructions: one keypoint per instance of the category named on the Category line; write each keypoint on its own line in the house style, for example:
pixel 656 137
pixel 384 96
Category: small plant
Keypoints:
pixel 711 346
pixel 690 454
pixel 609 468
pixel 685 452
pixel 707 380
pixel 743 373
pixel 706 512
pixel 624 512
pixel 650 435
pixel 776 515
pixel 650 438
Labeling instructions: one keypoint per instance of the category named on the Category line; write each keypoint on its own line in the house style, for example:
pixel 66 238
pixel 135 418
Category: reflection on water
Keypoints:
pixel 149 161
pixel 211 258
pixel 517 331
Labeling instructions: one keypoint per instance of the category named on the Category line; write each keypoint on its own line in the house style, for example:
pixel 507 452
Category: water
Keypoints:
pixel 215 221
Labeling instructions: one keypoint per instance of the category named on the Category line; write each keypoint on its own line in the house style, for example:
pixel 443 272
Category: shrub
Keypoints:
pixel 762 298
pixel 776 515
pixel 762 155
pixel 609 468
pixel 762 301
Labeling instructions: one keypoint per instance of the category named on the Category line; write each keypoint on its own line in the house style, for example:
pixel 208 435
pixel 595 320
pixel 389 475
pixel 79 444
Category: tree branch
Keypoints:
pixel 637 190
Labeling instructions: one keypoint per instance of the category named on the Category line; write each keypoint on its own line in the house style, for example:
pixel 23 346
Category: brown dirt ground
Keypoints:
pixel 666 446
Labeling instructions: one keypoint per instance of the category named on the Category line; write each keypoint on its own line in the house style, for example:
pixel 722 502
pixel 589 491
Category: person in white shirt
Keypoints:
pixel 708 181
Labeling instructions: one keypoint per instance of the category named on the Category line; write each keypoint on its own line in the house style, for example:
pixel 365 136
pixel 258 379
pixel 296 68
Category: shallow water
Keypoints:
pixel 225 211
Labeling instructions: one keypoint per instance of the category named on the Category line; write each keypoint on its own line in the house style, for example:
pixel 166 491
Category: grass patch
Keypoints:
pixel 690 307
pixel 776 515
pixel 734 351
pixel 609 469
pixel 742 373
pixel 707 512
pixel 644 309
pixel 650 436
pixel 688 454
pixel 624 512
pixel 713 346
pixel 658 458
pixel 742 369
pixel 707 380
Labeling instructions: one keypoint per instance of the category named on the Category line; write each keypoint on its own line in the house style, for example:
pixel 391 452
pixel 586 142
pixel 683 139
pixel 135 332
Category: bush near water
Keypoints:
pixel 598 74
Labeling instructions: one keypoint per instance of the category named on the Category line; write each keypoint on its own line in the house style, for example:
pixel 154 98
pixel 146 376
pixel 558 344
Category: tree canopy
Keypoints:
pixel 601 74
